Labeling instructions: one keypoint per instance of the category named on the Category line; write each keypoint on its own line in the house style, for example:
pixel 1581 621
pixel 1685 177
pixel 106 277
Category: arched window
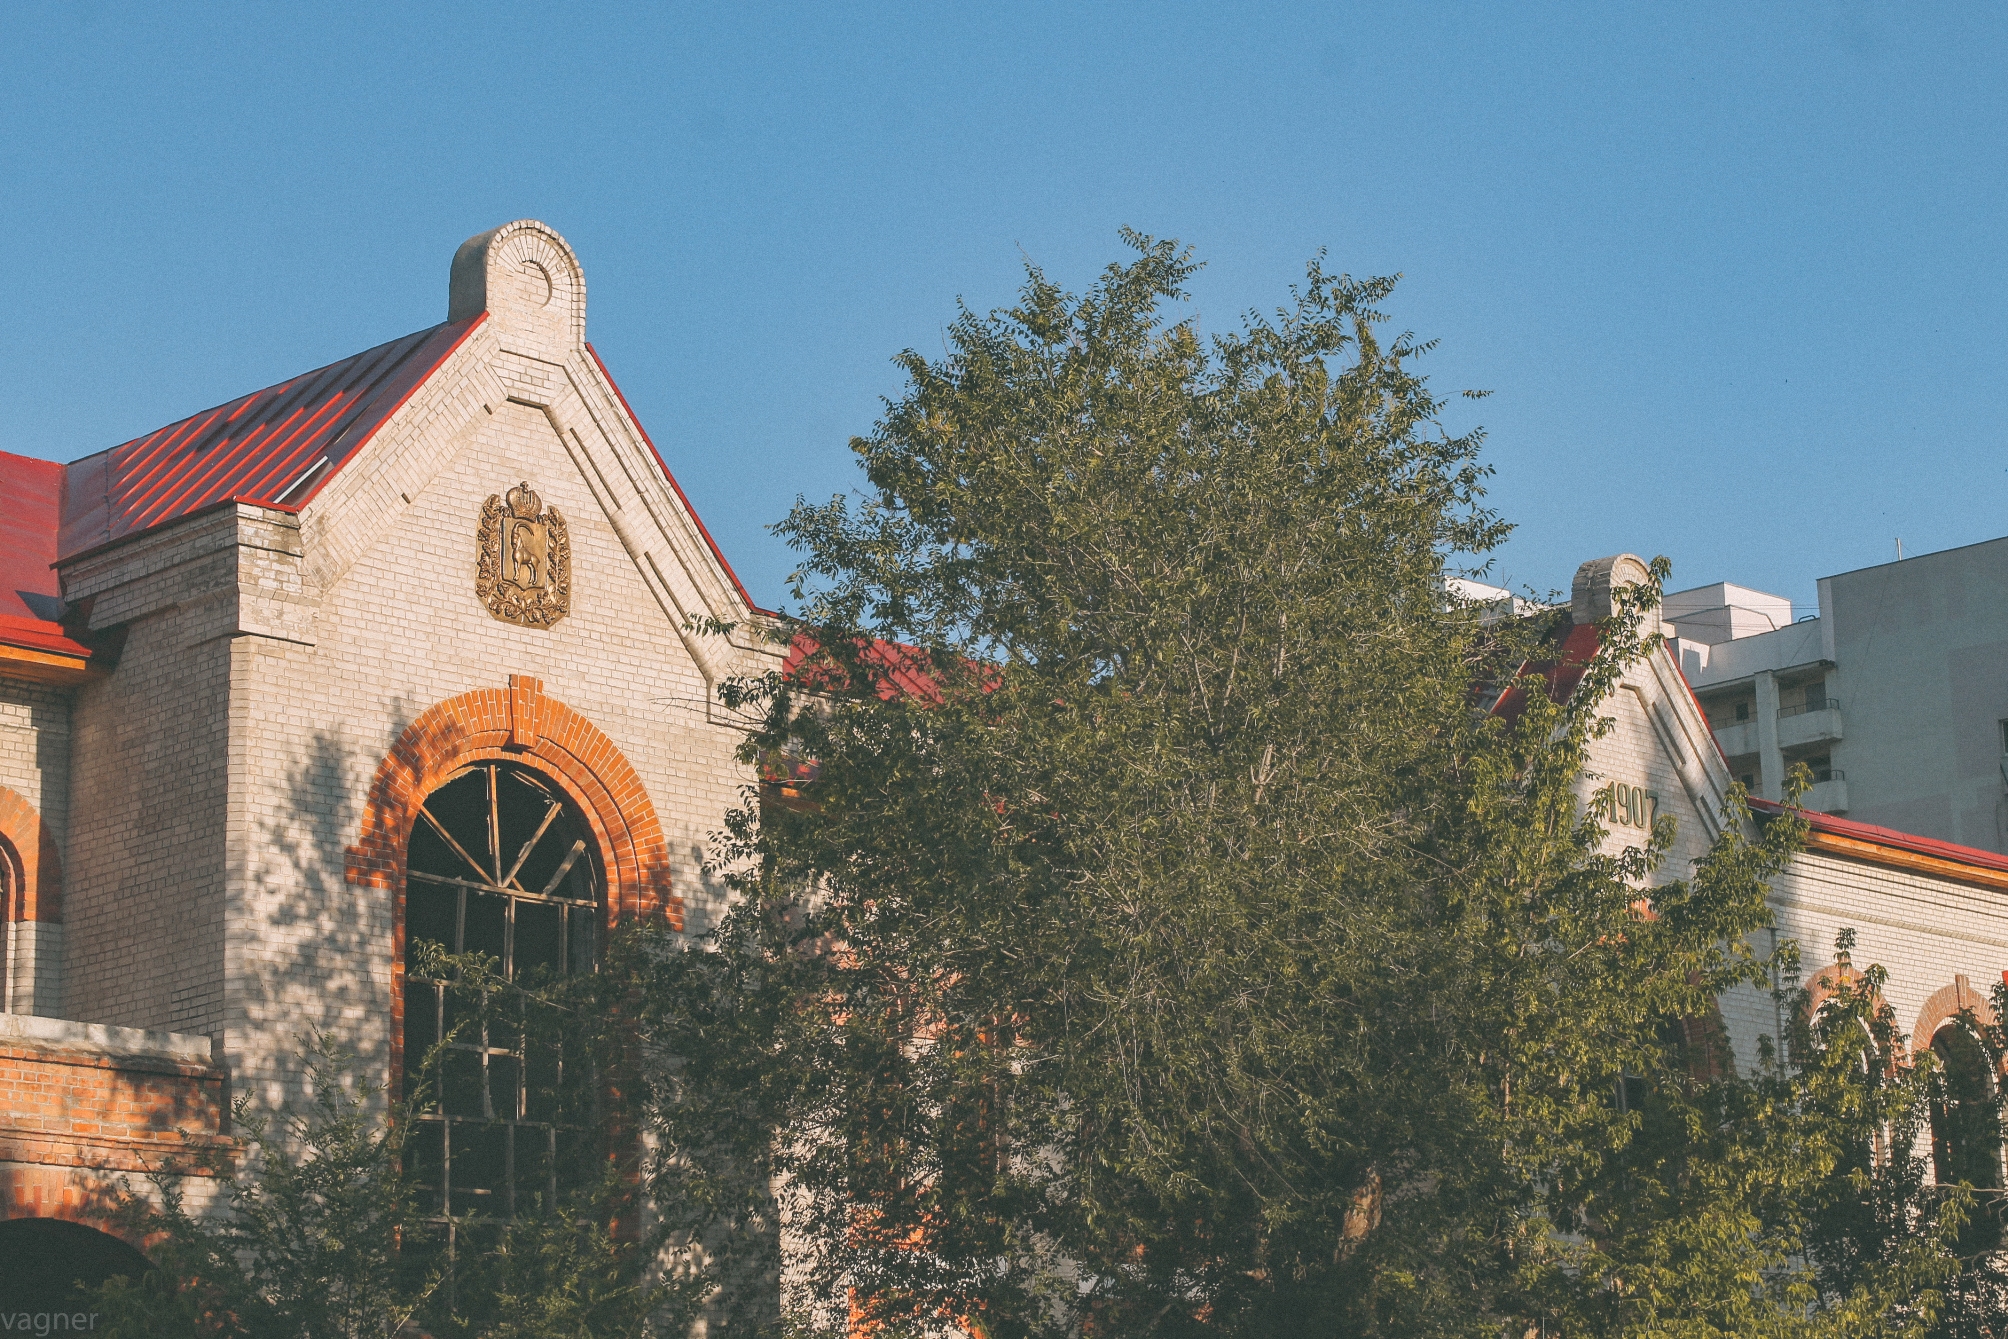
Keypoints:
pixel 10 933
pixel 46 1260
pixel 1965 1122
pixel 502 864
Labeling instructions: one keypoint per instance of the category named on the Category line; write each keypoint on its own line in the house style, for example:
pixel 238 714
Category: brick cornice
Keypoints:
pixel 186 1155
pixel 1896 857
pixel 119 1060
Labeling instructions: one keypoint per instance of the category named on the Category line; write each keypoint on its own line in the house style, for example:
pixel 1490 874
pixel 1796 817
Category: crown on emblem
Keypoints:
pixel 524 502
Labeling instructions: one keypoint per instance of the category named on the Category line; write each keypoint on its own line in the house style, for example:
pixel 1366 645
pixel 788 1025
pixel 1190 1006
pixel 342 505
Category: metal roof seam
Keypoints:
pixel 422 339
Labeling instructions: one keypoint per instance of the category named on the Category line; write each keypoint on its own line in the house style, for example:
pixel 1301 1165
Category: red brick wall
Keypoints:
pixel 73 1119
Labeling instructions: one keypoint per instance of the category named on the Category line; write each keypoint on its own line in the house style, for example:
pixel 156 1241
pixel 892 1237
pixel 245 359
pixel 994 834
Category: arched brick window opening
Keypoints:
pixel 1965 1120
pixel 501 863
pixel 46 1258
pixel 31 907
pixel 10 914
pixel 1875 1061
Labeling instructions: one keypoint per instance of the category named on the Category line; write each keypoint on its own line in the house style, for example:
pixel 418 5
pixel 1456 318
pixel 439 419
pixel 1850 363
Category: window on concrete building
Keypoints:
pixel 1965 1123
pixel 1742 711
pixel 2004 736
pixel 502 864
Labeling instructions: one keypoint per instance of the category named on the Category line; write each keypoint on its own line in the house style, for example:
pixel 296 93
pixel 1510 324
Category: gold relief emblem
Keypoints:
pixel 525 573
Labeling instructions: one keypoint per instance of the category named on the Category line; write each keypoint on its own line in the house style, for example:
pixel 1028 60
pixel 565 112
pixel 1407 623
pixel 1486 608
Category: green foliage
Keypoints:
pixel 307 1244
pixel 320 1231
pixel 1169 944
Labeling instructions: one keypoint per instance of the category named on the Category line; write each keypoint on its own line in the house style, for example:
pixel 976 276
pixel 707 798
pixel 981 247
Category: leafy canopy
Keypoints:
pixel 1168 941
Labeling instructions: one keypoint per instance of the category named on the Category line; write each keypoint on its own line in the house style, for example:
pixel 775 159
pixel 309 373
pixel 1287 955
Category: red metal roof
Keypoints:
pixel 31 499
pixel 1575 648
pixel 276 446
pixel 1902 841
pixel 899 670
pixel 41 634
pixel 663 465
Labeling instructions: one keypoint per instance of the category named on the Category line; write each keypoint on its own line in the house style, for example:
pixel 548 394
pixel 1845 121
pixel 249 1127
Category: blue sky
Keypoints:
pixel 1733 273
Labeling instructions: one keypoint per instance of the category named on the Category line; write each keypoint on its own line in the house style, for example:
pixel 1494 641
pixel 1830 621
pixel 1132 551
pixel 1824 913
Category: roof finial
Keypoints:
pixel 523 274
pixel 1590 596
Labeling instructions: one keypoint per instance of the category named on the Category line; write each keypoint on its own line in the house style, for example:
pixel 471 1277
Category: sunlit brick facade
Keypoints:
pixel 241 652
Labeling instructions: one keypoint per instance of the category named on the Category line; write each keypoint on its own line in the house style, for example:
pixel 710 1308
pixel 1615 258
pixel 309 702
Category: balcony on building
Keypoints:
pixel 1762 677
pixel 1829 796
pixel 1737 738
pixel 1814 720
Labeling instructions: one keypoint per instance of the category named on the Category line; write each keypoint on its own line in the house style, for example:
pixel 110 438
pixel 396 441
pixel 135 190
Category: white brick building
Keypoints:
pixel 269 644
pixel 414 645
pixel 1934 914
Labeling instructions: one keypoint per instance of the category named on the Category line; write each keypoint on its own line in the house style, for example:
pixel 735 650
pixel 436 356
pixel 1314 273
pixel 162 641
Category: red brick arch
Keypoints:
pixel 1945 1003
pixel 520 724
pixel 34 864
pixel 1827 982
pixel 513 724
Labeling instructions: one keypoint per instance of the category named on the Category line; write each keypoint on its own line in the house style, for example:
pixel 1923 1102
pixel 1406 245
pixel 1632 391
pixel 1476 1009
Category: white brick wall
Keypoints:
pixel 272 663
pixel 35 748
pixel 1924 929
pixel 35 764
pixel 144 859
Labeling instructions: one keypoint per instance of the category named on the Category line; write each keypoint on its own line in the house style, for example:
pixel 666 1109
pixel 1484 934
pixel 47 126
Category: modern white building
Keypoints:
pixel 1895 693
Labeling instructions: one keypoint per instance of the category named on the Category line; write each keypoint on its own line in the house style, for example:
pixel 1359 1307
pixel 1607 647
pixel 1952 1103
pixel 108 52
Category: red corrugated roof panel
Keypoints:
pixel 275 446
pixel 31 500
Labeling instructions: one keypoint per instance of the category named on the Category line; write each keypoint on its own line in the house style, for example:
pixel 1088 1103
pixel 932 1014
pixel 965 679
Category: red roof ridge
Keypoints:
pixel 663 465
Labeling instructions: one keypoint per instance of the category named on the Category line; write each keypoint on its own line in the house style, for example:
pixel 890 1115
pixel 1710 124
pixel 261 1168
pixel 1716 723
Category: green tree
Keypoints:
pixel 1169 943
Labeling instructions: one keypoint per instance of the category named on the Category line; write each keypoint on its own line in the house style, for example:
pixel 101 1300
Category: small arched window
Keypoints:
pixel 10 946
pixel 1965 1120
pixel 502 864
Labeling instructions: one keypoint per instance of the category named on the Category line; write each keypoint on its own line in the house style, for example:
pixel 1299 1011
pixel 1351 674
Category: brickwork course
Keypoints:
pixel 265 641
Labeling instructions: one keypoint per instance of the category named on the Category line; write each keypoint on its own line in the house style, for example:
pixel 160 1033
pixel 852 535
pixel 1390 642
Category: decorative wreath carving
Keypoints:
pixel 525 572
